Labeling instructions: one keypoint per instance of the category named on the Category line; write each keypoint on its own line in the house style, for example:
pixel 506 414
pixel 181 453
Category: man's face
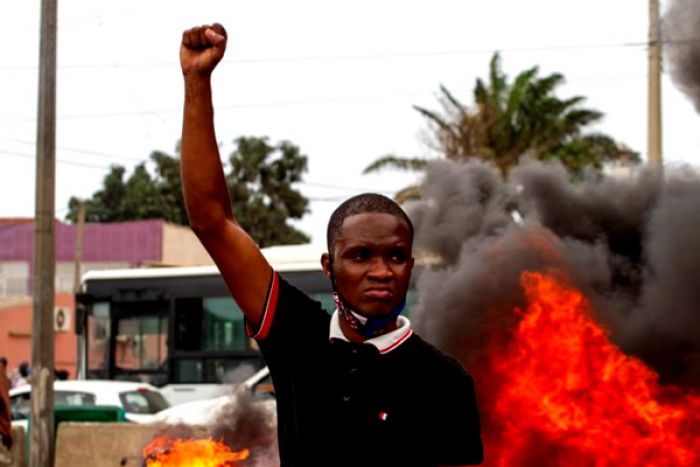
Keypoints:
pixel 372 262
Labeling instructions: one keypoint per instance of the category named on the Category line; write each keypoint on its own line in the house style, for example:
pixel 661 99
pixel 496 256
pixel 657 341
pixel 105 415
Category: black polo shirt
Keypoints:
pixel 345 404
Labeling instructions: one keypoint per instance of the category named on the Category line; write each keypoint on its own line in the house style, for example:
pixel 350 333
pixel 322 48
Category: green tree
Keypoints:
pixel 141 196
pixel 106 205
pixel 260 181
pixel 511 119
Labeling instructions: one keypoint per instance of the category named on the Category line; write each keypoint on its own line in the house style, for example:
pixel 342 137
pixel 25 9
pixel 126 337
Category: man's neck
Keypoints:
pixel 354 336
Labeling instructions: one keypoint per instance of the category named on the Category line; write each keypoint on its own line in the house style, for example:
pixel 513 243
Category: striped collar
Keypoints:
pixel 385 343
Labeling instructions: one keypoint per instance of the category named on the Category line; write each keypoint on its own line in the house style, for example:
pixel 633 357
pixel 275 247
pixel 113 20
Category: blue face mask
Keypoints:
pixel 365 325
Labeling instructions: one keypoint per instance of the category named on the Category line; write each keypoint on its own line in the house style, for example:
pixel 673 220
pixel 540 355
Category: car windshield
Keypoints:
pixel 73 398
pixel 143 401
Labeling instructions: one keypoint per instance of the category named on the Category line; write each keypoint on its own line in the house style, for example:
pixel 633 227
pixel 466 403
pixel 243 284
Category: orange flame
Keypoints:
pixel 174 452
pixel 559 393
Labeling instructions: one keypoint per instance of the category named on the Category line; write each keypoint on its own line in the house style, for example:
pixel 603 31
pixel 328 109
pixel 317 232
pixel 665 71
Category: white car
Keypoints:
pixel 206 411
pixel 140 401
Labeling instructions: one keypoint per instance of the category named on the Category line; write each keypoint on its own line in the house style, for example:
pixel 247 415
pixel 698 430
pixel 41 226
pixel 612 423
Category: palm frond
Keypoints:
pixel 394 162
pixel 410 193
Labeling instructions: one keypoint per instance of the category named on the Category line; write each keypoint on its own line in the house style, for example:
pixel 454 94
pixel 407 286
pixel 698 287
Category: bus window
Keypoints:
pixel 98 340
pixel 326 300
pixel 141 342
pixel 209 324
pixel 223 323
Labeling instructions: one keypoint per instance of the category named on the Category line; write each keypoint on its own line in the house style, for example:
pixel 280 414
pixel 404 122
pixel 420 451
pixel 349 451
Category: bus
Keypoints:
pixel 178 327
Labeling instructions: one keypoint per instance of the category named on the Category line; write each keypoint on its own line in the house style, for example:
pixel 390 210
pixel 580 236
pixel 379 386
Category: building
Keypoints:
pixel 105 246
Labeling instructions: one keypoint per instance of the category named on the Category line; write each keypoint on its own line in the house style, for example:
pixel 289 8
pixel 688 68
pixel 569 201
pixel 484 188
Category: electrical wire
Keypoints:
pixel 374 56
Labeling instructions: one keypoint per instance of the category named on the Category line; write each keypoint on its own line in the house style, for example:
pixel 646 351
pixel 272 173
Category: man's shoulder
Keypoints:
pixel 296 314
pixel 294 296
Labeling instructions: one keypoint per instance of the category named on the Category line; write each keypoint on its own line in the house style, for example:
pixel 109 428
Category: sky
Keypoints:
pixel 337 79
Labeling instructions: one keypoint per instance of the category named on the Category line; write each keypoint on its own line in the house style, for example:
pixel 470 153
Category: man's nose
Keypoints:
pixel 381 269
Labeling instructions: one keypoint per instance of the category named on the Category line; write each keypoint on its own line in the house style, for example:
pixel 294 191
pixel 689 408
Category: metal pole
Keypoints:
pixel 41 437
pixel 79 234
pixel 654 153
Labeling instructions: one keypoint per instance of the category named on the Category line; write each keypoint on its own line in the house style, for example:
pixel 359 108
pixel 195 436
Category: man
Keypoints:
pixel 5 416
pixel 357 388
pixel 22 375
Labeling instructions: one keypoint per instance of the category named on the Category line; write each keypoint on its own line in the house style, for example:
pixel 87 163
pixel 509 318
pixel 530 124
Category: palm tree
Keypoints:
pixel 509 120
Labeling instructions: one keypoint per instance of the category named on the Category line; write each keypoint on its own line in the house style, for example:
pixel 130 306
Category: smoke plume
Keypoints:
pixel 249 423
pixel 681 45
pixel 631 245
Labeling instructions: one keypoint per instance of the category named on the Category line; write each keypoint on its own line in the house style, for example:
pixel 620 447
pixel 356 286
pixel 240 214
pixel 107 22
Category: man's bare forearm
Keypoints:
pixel 206 194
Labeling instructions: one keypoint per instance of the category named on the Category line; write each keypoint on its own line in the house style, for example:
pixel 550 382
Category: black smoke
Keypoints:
pixel 680 30
pixel 631 244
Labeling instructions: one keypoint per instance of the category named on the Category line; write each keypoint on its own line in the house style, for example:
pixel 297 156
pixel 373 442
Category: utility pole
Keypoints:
pixel 79 235
pixel 654 154
pixel 41 439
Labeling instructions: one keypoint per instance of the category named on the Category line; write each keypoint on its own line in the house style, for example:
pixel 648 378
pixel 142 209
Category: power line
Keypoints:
pixel 291 103
pixel 60 161
pixel 329 100
pixel 374 56
pixel 302 182
pixel 78 150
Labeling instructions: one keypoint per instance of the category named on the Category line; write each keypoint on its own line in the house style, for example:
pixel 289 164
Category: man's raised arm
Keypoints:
pixel 245 271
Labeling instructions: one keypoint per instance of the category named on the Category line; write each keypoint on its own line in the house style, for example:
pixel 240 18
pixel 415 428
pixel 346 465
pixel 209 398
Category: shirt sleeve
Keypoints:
pixel 292 323
pixel 268 313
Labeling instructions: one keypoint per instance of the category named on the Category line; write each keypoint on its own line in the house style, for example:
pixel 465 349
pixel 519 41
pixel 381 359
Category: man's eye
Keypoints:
pixel 361 255
pixel 398 256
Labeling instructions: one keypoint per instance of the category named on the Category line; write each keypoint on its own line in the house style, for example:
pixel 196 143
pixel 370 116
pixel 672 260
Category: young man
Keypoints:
pixel 357 388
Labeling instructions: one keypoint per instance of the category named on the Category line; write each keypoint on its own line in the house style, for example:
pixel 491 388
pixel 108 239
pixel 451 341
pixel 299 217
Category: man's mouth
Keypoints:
pixel 379 294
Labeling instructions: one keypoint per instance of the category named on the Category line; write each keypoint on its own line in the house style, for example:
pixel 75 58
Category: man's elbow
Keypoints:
pixel 206 223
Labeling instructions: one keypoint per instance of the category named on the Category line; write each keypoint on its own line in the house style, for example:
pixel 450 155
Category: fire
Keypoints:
pixel 558 392
pixel 174 452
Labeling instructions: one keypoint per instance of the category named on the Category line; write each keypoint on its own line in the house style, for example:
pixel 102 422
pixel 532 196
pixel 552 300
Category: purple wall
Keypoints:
pixel 16 240
pixel 133 242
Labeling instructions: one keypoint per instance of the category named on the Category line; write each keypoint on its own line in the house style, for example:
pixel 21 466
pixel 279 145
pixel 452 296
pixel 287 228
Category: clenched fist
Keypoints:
pixel 202 48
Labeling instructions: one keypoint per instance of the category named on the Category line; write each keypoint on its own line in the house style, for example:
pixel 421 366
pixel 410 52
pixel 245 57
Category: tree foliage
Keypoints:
pixel 260 180
pixel 512 119
pixel 260 183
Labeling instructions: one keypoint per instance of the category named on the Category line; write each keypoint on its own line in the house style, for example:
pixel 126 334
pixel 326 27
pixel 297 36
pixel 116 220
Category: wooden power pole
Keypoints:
pixel 41 437
pixel 654 154
pixel 79 235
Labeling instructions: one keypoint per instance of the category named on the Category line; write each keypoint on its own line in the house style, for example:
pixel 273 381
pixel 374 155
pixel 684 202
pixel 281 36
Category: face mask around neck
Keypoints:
pixel 367 326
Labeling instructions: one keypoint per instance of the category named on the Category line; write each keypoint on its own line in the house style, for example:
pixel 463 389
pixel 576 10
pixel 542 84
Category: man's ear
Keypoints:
pixel 326 265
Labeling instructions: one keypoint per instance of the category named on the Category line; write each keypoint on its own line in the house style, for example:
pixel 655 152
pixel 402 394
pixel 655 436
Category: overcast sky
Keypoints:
pixel 337 79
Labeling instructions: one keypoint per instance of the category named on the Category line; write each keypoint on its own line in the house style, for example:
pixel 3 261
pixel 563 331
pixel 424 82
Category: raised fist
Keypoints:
pixel 202 48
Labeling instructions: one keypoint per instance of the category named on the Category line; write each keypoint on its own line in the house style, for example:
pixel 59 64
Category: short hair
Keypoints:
pixel 361 204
